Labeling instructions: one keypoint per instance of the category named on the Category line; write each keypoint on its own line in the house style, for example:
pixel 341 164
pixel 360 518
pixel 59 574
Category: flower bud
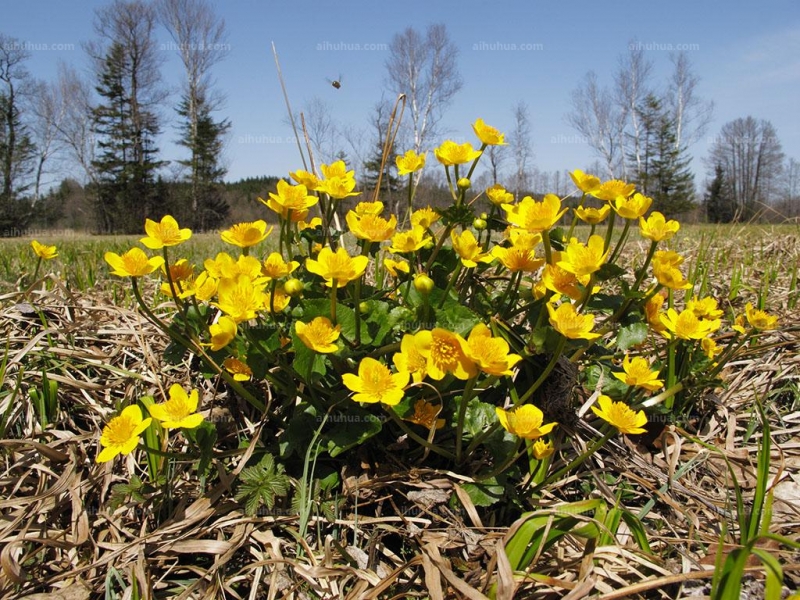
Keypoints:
pixel 423 284
pixel 363 308
pixel 463 183
pixel 479 224
pixel 293 287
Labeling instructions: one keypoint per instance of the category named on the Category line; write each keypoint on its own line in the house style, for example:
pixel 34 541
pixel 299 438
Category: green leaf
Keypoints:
pixel 609 271
pixel 631 335
pixel 457 318
pixel 485 493
pixel 350 429
pixel 479 417
pixel 378 319
pixel 611 387
pixel 262 484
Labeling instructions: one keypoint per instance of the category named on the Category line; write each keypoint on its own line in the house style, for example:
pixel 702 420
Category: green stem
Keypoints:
pixel 462 413
pixel 513 457
pixel 333 301
pixel 611 218
pixel 550 366
pixel 417 438
pixel 558 475
pixel 548 253
pixel 575 218
pixel 450 283
pixel 620 241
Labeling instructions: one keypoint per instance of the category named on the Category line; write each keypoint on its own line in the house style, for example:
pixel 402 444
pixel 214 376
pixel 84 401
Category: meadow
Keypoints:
pixel 698 506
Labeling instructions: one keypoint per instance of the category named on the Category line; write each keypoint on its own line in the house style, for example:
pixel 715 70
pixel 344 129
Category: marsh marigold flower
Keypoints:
pixel 376 383
pixel 584 182
pixel 277 303
pixel 704 308
pixel 275 267
pixel 425 414
pixel 369 208
pixel 42 251
pixel 240 298
pixel 468 249
pixel 305 178
pixel 534 216
pixel 445 352
pixel 613 189
pixel 542 449
pixel 121 434
pixel 710 347
pixel 760 319
pixel 134 263
pixel 424 217
pixel 179 411
pixel 222 333
pixel 525 421
pixel 686 326
pixel 319 335
pixel 237 368
pixel 566 320
pixel 336 169
pixel 223 266
pixel 372 228
pixel 487 134
pixel 560 281
pixel 652 311
pixel 338 267
pixel 405 242
pixel 410 162
pixel 338 182
pixel 620 415
pixel 633 207
pixel 491 354
pixel 291 200
pixel 592 216
pixel 410 359
pixel 517 258
pixel 450 153
pixel 582 260
pixel 395 267
pixel 245 235
pixel 657 228
pixel 498 195
pixel 165 233
pixel 637 373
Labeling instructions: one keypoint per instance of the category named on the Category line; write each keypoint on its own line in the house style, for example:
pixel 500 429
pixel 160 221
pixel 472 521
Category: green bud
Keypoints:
pixel 423 284
pixel 464 183
pixel 479 224
pixel 294 287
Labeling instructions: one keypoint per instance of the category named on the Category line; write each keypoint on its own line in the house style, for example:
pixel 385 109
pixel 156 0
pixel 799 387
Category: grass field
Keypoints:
pixel 76 347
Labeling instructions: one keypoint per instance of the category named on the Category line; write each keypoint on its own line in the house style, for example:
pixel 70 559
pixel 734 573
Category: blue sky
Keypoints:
pixel 747 55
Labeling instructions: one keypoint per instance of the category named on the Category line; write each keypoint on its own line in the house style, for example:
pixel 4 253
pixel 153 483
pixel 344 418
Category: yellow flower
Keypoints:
pixel 222 333
pixel 312 224
pixel 542 449
pixel 584 182
pixel 620 415
pixel 491 354
pixel 275 267
pixel 320 335
pixel 488 135
pixel 632 208
pixel 560 281
pixel 424 217
pixel 121 434
pixel 134 263
pixel 535 216
pixel 42 251
pixel 450 153
pixel 593 216
pixel 239 370
pixel 425 414
pixel 613 189
pixel 760 319
pixel 181 273
pixel 521 238
pixel 240 298
pixel 338 267
pixel 468 249
pixel 665 269
pixel 336 169
pixel 280 302
pixel 525 421
pixel 372 228
pixel 396 266
pixel 686 326
pixel 224 267
pixel 339 182
pixel 517 258
pixel 566 320
pixel 637 373
pixel 446 353
pixel 498 195
pixel 165 233
pixel 376 383
pixel 657 228
pixel 410 162
pixel 583 260
pixel 410 359
pixel 369 208
pixel 738 324
pixel 305 178
pixel 652 311
pixel 710 347
pixel 404 242
pixel 291 200
pixel 205 287
pixel 704 308
pixel 245 235
pixel 179 411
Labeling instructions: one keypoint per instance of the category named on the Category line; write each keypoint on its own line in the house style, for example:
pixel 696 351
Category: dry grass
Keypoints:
pixel 394 535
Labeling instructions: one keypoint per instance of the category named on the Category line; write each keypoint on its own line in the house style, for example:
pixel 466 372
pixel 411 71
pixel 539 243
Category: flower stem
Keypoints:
pixel 558 475
pixel 462 413
pixel 417 438
pixel 548 369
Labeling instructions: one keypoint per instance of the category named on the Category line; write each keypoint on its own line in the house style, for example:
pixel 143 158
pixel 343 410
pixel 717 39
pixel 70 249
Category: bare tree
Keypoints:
pixel 75 126
pixel 424 69
pixel 631 84
pixel 598 118
pixel 48 108
pixel 323 133
pixel 750 154
pixel 521 148
pixel 690 113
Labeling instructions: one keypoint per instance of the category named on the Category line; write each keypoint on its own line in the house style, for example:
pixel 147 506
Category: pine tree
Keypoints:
pixel 720 207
